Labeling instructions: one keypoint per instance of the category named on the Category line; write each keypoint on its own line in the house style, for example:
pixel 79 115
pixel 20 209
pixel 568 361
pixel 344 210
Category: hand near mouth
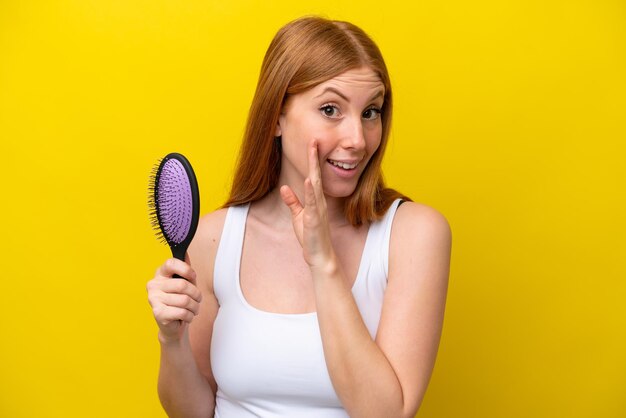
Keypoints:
pixel 310 222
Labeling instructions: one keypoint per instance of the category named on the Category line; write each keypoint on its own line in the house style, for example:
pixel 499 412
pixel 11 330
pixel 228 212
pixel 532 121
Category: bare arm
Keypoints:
pixel 387 377
pixel 185 311
pixel 183 390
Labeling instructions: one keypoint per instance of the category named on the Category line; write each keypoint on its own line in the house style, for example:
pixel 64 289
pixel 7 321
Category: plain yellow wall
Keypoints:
pixel 510 120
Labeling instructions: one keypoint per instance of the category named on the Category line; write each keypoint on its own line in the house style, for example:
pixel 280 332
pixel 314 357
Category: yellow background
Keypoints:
pixel 510 120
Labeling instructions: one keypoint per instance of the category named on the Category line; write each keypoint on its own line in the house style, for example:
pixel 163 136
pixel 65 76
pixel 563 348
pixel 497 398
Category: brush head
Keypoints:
pixel 173 201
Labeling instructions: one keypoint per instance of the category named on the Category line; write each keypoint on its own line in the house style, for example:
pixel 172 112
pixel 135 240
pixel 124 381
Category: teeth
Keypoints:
pixel 345 166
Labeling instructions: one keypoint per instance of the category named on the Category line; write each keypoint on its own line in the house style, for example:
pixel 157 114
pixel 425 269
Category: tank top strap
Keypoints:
pixel 387 221
pixel 376 251
pixel 369 289
pixel 228 256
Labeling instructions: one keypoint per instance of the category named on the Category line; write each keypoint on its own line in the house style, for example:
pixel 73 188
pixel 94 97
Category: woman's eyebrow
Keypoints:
pixel 333 90
pixel 378 94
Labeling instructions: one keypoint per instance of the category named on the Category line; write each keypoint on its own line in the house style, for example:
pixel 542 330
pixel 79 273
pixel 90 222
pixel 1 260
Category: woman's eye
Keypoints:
pixel 330 111
pixel 371 113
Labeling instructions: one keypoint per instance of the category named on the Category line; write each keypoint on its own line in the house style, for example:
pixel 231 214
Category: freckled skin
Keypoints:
pixel 346 129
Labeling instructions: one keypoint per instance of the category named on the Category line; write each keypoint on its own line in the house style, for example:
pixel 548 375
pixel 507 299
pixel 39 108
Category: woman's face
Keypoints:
pixel 343 116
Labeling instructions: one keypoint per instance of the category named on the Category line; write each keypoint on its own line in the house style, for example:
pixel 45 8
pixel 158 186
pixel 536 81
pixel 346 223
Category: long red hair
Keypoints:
pixel 303 54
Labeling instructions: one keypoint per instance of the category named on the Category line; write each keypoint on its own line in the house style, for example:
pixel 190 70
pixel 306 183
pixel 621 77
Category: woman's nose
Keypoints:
pixel 353 135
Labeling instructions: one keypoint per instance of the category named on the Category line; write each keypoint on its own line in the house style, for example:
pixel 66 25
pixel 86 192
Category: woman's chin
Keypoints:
pixel 338 192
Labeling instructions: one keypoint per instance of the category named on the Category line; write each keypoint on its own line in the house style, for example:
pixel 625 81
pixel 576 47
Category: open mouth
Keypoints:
pixel 345 166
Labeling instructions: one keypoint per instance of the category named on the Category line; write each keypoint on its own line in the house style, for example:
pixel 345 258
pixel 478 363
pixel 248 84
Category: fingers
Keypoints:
pixel 310 199
pixel 179 293
pixel 180 287
pixel 175 266
pixel 179 301
pixel 174 300
pixel 168 314
pixel 314 165
pixel 291 200
pixel 315 177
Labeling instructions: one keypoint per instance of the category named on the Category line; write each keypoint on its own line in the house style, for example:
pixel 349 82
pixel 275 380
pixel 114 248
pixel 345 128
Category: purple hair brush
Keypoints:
pixel 174 203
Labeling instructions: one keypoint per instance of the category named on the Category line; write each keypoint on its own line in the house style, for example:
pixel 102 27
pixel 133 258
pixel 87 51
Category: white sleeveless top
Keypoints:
pixel 272 364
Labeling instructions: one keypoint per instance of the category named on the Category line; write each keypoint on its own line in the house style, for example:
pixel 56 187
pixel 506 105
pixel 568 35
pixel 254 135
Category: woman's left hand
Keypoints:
pixel 310 222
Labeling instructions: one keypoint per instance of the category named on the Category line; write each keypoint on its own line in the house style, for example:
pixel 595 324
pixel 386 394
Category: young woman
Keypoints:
pixel 315 291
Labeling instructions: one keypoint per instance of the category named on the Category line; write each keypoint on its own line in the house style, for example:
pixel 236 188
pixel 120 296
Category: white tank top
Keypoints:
pixel 271 364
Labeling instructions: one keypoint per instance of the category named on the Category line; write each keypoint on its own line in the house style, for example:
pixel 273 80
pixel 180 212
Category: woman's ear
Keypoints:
pixel 278 131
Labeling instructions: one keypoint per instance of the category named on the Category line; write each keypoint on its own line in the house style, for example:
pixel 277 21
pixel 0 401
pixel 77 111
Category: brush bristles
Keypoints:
pixel 152 207
pixel 174 203
pixel 170 201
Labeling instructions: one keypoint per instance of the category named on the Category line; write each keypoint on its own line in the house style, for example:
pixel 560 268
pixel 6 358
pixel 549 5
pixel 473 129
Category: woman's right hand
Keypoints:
pixel 175 302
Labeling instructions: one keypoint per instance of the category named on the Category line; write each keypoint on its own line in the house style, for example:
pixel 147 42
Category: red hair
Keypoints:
pixel 304 53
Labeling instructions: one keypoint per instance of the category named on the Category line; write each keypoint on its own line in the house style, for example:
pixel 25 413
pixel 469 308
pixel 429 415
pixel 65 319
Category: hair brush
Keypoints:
pixel 174 203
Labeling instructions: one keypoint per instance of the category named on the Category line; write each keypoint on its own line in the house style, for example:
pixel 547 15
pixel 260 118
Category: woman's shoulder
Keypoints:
pixel 210 227
pixel 203 247
pixel 420 245
pixel 211 224
pixel 416 221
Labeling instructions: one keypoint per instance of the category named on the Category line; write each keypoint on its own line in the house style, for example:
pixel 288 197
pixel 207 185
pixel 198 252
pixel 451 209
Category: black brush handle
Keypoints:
pixel 179 253
pixel 179 250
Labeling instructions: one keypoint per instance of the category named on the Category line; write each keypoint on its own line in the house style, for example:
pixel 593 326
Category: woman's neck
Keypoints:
pixel 275 211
